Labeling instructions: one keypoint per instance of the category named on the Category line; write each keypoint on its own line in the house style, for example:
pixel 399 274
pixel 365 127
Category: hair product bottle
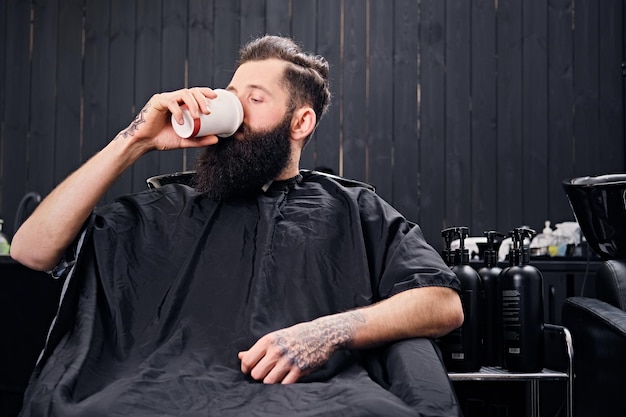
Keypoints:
pixel 521 287
pixel 490 275
pixel 462 348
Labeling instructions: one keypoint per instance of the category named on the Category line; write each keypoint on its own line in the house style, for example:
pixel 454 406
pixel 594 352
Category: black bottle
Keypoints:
pixel 462 348
pixel 522 308
pixel 492 327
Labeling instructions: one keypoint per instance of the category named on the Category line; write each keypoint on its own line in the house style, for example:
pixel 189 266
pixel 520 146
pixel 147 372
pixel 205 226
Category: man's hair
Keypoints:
pixel 306 76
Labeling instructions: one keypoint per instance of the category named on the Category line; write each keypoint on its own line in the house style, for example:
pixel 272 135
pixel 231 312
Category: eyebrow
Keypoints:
pixel 251 87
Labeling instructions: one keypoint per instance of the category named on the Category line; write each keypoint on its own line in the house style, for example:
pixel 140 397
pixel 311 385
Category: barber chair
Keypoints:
pixel 598 325
pixel 411 369
pixel 187 178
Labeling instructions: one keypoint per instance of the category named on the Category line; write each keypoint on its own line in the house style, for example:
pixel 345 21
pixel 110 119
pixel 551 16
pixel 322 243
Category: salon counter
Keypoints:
pixel 28 303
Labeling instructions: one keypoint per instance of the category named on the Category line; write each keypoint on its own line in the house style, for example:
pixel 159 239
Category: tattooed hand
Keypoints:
pixel 286 355
pixel 152 127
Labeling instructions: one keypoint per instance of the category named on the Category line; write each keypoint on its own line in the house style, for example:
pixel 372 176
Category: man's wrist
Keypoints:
pixel 126 151
pixel 341 329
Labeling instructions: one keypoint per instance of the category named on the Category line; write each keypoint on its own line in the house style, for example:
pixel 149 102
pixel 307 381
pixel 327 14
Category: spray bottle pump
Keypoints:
pixel 491 255
pixel 462 254
pixel 448 237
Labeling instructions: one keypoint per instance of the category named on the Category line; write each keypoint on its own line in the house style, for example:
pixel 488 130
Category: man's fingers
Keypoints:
pixel 265 362
pixel 292 377
pixel 201 95
pixel 249 359
pixel 265 365
pixel 194 98
pixel 278 373
pixel 173 100
pixel 202 141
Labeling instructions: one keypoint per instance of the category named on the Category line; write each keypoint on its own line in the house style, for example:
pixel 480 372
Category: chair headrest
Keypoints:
pixel 611 283
pixel 185 177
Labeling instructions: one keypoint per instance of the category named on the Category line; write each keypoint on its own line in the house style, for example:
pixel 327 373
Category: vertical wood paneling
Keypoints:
pixel 406 169
pixel 327 137
pixel 253 19
pixel 561 102
pixel 67 137
pixel 379 98
pixel 535 114
pixel 303 24
pixel 484 192
pixel 509 86
pixel 461 113
pixel 148 71
pixel 586 84
pixel 173 44
pixel 16 85
pixel 278 17
pixel 457 97
pixel 432 119
pixel 354 106
pixel 173 67
pixel 304 31
pixel 42 96
pixel 611 56
pixel 96 73
pixel 200 56
pixel 226 46
pixel 201 44
pixel 121 98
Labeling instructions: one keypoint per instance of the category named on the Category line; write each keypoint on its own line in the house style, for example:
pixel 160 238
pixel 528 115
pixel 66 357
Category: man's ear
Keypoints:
pixel 303 123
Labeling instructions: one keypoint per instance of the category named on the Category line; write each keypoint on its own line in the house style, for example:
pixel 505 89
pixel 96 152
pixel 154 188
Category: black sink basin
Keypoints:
pixel 599 205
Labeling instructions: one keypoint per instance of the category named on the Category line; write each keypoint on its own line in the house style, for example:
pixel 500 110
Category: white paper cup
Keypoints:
pixel 225 118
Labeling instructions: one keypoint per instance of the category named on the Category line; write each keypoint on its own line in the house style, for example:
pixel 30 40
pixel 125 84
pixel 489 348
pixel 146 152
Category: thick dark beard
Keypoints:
pixel 238 168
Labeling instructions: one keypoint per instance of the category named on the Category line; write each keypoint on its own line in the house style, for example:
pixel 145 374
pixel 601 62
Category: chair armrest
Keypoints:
pixel 599 335
pixel 416 374
pixel 593 312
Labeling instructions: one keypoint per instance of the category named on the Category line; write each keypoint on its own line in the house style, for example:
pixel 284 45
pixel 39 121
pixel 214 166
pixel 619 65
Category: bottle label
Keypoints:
pixel 511 301
pixel 458 355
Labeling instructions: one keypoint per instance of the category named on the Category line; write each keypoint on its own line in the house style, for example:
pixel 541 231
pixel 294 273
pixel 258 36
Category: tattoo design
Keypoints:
pixel 310 345
pixel 134 126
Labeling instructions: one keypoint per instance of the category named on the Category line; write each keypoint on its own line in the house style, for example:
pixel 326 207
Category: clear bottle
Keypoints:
pixel 4 241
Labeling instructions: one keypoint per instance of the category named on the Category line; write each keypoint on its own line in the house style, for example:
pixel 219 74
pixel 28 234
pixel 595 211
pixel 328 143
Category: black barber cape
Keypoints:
pixel 169 287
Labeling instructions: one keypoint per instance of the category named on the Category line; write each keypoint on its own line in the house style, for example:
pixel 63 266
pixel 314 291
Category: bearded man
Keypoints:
pixel 257 292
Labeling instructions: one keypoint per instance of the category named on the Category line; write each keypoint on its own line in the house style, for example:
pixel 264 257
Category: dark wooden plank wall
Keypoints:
pixel 460 112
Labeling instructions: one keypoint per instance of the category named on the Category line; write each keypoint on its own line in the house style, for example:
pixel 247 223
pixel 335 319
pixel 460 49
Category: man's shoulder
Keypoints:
pixel 167 198
pixel 168 194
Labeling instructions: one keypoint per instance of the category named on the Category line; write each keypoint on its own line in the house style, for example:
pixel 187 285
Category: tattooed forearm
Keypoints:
pixel 134 126
pixel 309 345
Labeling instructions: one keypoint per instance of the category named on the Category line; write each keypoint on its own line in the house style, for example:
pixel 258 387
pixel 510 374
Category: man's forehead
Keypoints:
pixel 266 75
